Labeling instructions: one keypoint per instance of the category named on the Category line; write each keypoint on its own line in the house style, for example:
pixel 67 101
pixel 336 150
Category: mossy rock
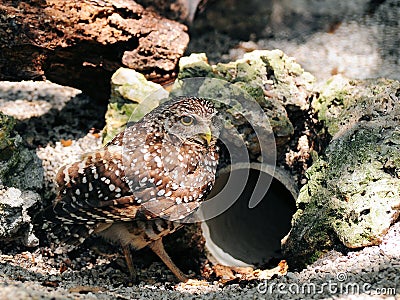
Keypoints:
pixel 129 90
pixel 7 146
pixel 353 192
pixel 342 102
pixel 263 74
pixel 19 167
pixel 275 81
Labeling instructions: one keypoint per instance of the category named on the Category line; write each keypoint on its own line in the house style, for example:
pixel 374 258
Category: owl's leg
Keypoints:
pixel 158 248
pixel 128 258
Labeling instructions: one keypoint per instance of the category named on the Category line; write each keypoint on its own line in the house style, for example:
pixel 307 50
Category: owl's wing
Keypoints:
pixel 92 192
pixel 87 186
pixel 104 187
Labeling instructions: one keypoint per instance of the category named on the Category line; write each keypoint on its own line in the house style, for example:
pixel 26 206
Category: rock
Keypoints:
pixel 15 221
pixel 46 112
pixel 129 89
pixel 238 19
pixel 21 177
pixel 353 192
pixel 19 167
pixel 265 75
pixel 7 146
pixel 78 44
pixel 356 38
pixel 343 102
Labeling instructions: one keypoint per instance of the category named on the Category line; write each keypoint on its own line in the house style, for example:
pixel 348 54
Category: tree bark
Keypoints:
pixel 81 43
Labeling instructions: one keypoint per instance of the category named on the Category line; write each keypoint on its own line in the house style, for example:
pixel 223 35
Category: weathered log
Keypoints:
pixel 81 43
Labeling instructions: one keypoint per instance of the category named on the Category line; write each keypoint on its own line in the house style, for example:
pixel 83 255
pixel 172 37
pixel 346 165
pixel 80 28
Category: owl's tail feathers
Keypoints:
pixel 63 235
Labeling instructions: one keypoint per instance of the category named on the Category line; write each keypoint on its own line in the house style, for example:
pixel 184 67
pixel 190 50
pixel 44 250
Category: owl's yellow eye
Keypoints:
pixel 187 120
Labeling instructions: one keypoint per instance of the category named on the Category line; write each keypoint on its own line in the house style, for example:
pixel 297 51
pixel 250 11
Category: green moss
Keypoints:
pixel 117 116
pixel 349 193
pixel 314 257
pixel 8 145
pixel 255 91
pixel 342 101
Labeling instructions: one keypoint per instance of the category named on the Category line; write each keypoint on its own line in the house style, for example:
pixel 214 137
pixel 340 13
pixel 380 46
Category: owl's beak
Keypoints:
pixel 206 136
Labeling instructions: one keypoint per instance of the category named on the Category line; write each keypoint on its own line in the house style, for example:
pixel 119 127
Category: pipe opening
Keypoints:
pixel 243 236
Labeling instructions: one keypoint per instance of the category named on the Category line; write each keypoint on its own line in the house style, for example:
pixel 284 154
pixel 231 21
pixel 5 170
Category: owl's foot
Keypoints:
pixel 158 248
pixel 128 258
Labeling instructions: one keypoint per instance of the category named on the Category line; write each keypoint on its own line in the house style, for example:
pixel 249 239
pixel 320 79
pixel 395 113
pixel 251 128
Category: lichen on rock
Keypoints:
pixel 343 102
pixel 7 146
pixel 262 73
pixel 353 190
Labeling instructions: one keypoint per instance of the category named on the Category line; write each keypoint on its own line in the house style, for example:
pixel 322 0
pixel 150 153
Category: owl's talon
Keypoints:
pixel 133 277
pixel 158 248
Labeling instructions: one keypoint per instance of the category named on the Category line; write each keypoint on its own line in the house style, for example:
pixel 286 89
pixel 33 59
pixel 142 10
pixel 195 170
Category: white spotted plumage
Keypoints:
pixel 136 176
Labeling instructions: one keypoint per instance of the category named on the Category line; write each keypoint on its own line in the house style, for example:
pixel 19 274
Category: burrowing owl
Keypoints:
pixel 144 183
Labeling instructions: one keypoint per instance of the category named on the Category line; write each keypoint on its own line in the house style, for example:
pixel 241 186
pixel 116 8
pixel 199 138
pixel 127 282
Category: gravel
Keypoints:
pixel 373 272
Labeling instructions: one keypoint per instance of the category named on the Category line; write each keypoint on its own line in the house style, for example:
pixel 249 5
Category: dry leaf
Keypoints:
pixel 227 274
pixel 224 273
pixel 283 267
pixel 63 268
pixel 95 132
pixel 279 270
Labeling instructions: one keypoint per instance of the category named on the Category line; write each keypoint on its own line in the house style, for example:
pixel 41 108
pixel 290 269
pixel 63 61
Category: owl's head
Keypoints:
pixel 189 120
